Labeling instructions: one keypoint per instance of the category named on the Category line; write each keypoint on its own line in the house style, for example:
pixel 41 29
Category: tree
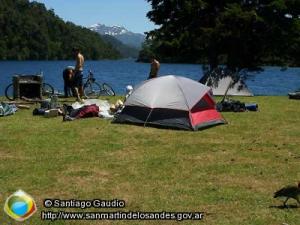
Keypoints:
pixel 238 33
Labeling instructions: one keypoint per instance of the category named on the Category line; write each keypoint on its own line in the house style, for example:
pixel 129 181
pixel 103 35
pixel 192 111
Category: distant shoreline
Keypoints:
pixel 128 59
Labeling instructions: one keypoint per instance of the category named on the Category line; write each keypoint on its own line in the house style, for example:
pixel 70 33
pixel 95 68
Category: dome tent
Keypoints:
pixel 225 84
pixel 171 101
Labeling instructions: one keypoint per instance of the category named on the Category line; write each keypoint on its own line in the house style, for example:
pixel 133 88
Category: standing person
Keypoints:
pixel 78 73
pixel 155 65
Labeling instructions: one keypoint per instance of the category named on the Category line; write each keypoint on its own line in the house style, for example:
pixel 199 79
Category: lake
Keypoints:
pixel 119 73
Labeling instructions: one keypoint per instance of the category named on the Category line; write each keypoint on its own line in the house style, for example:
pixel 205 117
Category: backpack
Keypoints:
pixel 230 105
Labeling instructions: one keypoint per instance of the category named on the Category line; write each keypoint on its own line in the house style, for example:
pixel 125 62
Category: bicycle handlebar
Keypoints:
pixel 90 75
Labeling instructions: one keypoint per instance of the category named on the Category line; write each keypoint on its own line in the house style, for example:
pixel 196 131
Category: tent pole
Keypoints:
pixel 225 94
pixel 148 117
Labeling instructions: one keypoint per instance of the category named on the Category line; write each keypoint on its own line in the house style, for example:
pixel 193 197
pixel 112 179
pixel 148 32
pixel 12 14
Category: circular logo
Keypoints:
pixel 20 206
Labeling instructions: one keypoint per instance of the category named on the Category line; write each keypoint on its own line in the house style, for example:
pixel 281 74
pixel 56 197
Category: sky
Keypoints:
pixel 128 13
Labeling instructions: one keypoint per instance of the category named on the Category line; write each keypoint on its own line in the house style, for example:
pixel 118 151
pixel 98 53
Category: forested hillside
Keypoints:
pixel 125 50
pixel 30 31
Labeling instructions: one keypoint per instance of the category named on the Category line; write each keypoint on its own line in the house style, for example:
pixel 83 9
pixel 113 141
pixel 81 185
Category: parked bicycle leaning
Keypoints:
pixel 93 89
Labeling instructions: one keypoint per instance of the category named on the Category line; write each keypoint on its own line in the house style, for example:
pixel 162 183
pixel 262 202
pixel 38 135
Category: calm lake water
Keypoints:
pixel 119 73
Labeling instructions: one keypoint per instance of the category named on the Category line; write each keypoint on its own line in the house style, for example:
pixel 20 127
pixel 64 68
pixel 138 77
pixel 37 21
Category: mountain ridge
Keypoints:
pixel 121 33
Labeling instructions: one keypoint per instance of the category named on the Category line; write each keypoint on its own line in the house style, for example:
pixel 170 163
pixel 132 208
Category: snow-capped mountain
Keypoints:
pixel 113 31
pixel 121 33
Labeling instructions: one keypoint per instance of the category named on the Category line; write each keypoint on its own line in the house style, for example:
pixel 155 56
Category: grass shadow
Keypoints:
pixel 284 207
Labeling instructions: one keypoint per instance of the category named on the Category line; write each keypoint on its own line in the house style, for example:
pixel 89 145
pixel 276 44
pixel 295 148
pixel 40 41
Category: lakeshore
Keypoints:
pixel 120 73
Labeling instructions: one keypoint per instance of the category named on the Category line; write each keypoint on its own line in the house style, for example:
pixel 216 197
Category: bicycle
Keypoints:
pixel 93 89
pixel 47 91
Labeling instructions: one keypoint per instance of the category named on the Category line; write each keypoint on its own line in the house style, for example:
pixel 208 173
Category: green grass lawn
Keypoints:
pixel 229 172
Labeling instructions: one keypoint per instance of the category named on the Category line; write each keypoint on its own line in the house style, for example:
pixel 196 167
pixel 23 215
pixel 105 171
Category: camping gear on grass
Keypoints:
pixel 171 101
pixel 29 86
pixel 51 113
pixel 294 95
pixel 251 106
pixel 54 102
pixel 7 109
pixel 230 105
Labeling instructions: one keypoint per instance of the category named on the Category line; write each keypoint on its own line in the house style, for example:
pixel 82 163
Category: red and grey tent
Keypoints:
pixel 171 101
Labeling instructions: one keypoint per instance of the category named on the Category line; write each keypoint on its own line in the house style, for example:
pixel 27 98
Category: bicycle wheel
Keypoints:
pixel 9 92
pixel 108 90
pixel 92 90
pixel 47 90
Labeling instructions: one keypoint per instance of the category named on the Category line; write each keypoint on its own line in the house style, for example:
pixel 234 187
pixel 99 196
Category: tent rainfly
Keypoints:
pixel 172 102
pixel 226 85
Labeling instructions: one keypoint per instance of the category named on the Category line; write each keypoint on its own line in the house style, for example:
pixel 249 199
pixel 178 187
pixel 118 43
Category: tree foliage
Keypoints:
pixel 238 33
pixel 30 31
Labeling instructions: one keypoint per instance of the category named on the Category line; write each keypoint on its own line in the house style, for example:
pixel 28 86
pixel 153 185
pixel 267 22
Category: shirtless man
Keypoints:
pixel 155 65
pixel 78 73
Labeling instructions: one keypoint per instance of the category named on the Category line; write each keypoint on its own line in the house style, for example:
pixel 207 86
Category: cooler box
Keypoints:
pixel 251 106
pixel 29 86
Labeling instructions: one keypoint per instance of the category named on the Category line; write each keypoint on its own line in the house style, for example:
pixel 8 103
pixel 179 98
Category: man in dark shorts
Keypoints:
pixel 78 85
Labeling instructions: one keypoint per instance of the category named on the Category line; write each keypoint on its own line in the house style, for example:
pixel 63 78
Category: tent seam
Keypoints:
pixel 189 110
